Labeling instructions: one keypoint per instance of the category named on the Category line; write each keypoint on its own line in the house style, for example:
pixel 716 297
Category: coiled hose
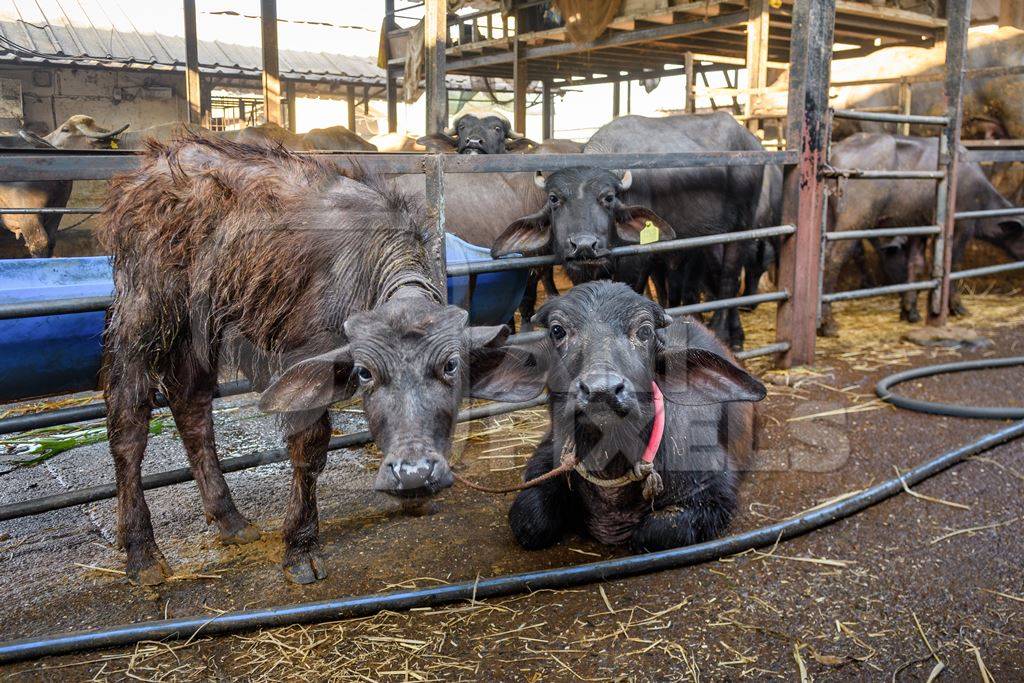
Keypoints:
pixel 360 606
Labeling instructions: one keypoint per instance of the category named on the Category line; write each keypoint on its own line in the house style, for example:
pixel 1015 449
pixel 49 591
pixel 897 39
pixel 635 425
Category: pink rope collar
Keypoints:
pixel 658 431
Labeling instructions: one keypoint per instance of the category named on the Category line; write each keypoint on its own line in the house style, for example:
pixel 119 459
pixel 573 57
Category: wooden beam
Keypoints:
pixel 289 103
pixel 690 95
pixel 435 34
pixel 520 82
pixel 757 56
pixel 271 65
pixel 350 100
pixel 193 90
pixel 800 253
pixel 547 105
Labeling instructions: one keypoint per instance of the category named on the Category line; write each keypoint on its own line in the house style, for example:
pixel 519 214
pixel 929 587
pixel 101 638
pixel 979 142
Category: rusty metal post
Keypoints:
pixel 193 90
pixel 959 20
pixel 690 98
pixel 435 37
pixel 433 173
pixel 271 63
pixel 810 61
pixel 757 58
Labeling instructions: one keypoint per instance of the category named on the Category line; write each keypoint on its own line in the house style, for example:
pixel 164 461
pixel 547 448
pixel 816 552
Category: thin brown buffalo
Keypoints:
pixel 272 260
pixel 39 231
pixel 861 204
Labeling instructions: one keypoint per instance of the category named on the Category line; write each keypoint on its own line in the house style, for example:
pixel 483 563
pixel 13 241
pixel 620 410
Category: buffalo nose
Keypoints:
pixel 583 246
pixel 608 387
pixel 414 476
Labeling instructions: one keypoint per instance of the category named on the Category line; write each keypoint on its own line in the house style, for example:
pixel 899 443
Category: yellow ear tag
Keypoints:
pixel 113 144
pixel 649 233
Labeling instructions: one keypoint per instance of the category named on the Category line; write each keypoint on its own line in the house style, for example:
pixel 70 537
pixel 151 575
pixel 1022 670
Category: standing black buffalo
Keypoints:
pixel 589 211
pixel 40 230
pixel 477 134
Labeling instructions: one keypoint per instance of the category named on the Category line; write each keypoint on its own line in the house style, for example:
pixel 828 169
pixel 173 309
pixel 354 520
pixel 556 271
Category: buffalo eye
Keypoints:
pixel 608 199
pixel 364 374
pixel 553 199
pixel 451 366
pixel 645 332
pixel 557 332
pixel 497 128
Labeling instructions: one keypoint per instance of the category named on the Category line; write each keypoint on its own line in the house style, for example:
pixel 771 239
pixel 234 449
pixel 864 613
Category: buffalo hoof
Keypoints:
pixel 239 535
pixel 828 328
pixel 911 315
pixel 151 573
pixel 958 309
pixel 305 568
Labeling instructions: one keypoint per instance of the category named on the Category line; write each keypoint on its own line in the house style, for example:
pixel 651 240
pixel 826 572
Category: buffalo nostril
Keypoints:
pixel 620 388
pixel 584 389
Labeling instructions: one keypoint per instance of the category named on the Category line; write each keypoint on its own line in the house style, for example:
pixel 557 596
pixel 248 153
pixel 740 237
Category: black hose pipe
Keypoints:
pixel 951 409
pixel 93 494
pixel 97 410
pixel 330 610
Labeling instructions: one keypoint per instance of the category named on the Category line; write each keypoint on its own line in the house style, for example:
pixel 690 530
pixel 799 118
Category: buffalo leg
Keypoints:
pixel 956 305
pixel 529 301
pixel 548 278
pixel 191 404
pixel 726 323
pixel 838 253
pixel 307 448
pixel 129 398
pixel 541 515
pixel 703 517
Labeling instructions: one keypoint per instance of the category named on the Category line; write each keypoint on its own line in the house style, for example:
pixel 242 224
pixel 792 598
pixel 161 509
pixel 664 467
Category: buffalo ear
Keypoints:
pixel 630 220
pixel 507 373
pixel 1012 226
pixel 519 144
pixel 438 143
pixel 312 383
pixel 689 376
pixel 528 235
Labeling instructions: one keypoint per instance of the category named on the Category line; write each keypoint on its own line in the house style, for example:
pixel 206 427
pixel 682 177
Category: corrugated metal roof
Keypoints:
pixel 101 33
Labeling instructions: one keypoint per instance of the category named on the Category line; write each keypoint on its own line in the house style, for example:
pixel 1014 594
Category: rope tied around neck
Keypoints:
pixel 642 471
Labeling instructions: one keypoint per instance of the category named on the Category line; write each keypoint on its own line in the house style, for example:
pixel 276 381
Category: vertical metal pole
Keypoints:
pixel 193 91
pixel 435 35
pixel 547 110
pixel 629 97
pixel 289 104
pixel 810 61
pixel 616 97
pixel 391 84
pixel 757 57
pixel 433 174
pixel 904 106
pixel 958 21
pixel 520 81
pixel 690 102
pixel 271 66
pixel 350 96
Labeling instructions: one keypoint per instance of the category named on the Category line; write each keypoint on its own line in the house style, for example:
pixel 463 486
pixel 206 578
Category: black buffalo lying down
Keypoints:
pixel 609 353
pixel 590 210
pixel 272 260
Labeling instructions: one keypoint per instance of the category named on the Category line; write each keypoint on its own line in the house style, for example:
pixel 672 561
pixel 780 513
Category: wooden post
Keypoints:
pixel 547 106
pixel 350 96
pixel 193 90
pixel 629 97
pixel 271 68
pixel 757 57
pixel 616 97
pixel 810 55
pixel 391 84
pixel 690 98
pixel 289 104
pixel 905 104
pixel 366 100
pixel 520 82
pixel 959 20
pixel 435 33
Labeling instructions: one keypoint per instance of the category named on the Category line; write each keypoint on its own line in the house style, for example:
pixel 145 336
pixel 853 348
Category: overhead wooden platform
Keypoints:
pixel 643 45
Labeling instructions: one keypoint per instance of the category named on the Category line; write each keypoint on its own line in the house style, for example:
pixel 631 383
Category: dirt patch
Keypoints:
pixel 893 591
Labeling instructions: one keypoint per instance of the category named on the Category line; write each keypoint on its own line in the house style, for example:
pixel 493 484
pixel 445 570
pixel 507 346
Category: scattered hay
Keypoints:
pixel 971 530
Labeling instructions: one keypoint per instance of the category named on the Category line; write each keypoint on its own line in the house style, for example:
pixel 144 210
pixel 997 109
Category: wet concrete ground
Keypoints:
pixel 866 599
